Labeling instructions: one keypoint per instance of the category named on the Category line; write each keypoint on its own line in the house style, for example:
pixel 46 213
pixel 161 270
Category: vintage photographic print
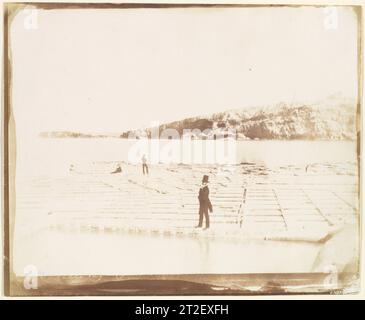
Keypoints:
pixel 181 149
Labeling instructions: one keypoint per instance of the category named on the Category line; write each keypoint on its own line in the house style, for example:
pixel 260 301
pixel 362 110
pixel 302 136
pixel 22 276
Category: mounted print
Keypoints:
pixel 181 149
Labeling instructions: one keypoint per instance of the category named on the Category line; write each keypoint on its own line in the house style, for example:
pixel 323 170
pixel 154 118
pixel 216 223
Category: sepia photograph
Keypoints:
pixel 160 149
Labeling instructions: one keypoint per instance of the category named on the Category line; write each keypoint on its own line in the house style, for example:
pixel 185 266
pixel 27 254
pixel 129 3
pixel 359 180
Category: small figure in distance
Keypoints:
pixel 118 169
pixel 144 165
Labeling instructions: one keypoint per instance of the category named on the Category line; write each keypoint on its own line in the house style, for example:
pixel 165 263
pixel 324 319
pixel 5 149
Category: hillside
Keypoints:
pixel 331 121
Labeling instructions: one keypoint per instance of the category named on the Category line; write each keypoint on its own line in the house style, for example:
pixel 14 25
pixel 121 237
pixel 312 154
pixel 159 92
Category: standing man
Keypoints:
pixel 204 203
pixel 144 165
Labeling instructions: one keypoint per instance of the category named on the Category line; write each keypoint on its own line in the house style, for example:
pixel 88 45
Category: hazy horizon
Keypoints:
pixel 153 124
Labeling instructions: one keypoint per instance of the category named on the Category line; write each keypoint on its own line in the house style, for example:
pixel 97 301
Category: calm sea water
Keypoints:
pixel 57 253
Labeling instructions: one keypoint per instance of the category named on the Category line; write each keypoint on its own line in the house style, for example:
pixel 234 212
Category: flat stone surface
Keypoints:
pixel 249 201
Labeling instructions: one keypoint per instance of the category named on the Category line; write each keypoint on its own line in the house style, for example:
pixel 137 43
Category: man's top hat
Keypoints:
pixel 205 178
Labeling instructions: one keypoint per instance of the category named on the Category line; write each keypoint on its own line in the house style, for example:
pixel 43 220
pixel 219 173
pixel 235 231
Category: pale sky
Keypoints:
pixel 111 70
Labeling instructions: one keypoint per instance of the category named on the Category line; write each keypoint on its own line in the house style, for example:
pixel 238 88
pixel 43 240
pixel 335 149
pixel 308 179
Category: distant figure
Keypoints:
pixel 144 165
pixel 118 169
pixel 204 203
